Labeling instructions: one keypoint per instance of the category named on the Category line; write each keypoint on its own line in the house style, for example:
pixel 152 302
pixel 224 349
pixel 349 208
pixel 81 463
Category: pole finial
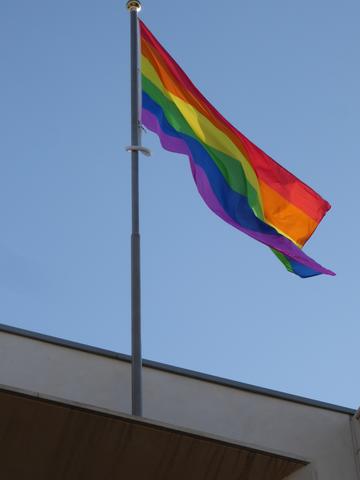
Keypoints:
pixel 133 5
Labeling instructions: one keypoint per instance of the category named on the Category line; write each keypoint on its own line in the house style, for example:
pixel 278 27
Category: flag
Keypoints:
pixel 235 178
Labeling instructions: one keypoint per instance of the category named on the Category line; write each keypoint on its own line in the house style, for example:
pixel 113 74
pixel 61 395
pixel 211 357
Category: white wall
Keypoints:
pixel 323 437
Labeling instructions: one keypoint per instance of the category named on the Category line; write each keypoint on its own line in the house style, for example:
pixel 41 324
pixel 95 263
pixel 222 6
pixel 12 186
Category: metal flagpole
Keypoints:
pixel 136 363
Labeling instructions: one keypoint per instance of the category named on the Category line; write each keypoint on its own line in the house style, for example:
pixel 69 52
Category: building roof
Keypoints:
pixel 177 370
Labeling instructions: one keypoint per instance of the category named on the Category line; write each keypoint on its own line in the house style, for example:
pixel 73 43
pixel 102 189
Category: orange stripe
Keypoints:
pixel 271 172
pixel 283 216
pixel 296 218
pixel 302 196
pixel 286 217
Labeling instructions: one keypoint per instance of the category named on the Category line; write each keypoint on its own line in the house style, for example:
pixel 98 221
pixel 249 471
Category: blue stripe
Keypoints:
pixel 302 270
pixel 234 204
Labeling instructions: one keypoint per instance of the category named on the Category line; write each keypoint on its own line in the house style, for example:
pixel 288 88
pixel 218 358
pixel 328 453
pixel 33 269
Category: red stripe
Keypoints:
pixel 267 169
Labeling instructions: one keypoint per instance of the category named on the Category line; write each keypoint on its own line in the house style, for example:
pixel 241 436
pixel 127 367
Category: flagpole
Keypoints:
pixel 136 359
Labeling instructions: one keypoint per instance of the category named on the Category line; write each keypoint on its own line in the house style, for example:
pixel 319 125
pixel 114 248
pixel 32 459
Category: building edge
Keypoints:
pixel 176 370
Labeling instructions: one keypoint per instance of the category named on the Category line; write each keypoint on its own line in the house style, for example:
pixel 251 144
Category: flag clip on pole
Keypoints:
pixel 136 360
pixel 145 151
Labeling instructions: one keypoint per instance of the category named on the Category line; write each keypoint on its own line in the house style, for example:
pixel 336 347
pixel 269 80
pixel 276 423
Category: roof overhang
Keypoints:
pixel 47 438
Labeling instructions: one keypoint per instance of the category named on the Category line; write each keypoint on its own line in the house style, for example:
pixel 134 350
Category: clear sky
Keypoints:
pixel 286 73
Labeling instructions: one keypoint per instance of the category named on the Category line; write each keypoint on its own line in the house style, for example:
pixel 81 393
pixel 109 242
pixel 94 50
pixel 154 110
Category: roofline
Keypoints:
pixel 177 370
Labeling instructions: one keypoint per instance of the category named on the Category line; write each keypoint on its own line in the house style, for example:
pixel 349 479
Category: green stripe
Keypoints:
pixel 230 168
pixel 283 260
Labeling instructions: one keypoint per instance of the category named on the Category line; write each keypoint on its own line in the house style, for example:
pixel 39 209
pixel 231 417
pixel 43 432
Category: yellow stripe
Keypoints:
pixel 202 127
pixel 278 212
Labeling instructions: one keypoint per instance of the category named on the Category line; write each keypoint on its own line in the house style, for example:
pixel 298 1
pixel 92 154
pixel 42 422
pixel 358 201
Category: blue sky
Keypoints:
pixel 287 75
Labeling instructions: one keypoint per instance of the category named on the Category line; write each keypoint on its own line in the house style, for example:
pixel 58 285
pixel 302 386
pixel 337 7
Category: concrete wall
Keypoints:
pixel 355 429
pixel 328 439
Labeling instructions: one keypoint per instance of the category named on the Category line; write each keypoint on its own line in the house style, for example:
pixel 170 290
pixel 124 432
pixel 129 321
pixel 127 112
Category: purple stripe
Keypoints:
pixel 280 243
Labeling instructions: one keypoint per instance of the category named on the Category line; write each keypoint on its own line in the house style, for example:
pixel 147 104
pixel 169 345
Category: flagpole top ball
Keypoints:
pixel 133 5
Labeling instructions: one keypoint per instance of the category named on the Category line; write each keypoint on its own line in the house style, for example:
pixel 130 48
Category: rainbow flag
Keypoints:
pixel 236 179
